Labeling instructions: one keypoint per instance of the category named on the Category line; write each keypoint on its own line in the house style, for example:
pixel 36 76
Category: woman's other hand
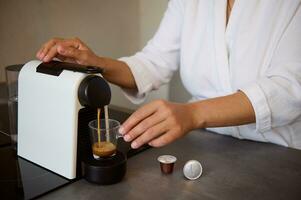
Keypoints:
pixel 68 50
pixel 158 123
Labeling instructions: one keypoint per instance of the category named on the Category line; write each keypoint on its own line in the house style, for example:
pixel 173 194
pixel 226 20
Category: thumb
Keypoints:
pixel 70 52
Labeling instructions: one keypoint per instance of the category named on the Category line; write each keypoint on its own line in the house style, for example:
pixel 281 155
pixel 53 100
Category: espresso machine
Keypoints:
pixel 55 104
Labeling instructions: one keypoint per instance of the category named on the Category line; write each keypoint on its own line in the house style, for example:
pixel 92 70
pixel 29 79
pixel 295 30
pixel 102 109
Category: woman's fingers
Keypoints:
pixel 65 59
pixel 46 47
pixel 137 117
pixel 51 48
pixel 70 43
pixel 39 53
pixel 164 139
pixel 150 134
pixel 51 54
pixel 158 123
pixel 145 124
pixel 70 52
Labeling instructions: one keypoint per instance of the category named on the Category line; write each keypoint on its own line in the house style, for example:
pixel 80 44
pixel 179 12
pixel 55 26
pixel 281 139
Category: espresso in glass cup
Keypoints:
pixel 104 136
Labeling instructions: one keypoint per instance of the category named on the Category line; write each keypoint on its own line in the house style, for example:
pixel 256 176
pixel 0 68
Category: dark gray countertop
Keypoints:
pixel 233 169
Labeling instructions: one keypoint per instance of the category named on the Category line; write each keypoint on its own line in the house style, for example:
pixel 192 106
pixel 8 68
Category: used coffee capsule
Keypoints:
pixel 167 163
pixel 192 169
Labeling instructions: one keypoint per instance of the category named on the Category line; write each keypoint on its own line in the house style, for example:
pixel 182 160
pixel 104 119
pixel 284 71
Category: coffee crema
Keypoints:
pixel 103 149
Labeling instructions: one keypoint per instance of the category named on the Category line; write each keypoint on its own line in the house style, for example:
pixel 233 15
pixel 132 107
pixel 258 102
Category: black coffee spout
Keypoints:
pixel 94 92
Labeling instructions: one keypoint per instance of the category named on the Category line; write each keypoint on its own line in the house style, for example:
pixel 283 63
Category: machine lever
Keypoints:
pixel 55 68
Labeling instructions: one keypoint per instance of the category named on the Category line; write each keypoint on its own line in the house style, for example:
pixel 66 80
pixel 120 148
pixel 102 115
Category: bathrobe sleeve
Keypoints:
pixel 276 97
pixel 155 64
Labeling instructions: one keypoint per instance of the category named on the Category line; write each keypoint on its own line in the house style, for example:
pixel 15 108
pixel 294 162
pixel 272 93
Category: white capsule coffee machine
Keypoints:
pixel 55 104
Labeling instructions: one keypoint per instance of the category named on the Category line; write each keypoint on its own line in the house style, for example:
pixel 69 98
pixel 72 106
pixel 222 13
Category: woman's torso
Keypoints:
pixel 217 60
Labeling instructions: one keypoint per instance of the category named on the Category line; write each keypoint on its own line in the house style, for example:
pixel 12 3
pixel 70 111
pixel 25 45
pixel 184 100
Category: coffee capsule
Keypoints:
pixel 192 169
pixel 167 163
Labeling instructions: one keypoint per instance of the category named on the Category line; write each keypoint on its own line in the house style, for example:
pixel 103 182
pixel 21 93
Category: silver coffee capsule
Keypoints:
pixel 192 169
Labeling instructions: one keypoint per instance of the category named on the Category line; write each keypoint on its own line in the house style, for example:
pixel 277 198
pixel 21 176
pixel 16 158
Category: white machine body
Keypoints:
pixel 48 109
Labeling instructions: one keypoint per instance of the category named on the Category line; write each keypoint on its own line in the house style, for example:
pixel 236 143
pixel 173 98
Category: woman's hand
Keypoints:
pixel 158 123
pixel 75 51
pixel 68 50
pixel 162 122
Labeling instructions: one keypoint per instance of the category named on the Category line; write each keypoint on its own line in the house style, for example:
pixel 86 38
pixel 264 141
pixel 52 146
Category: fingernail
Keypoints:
pixel 127 138
pixel 134 145
pixel 121 130
pixel 46 59
pixel 41 56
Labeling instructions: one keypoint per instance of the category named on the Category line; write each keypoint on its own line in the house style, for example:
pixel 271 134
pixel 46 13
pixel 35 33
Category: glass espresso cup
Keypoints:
pixel 104 137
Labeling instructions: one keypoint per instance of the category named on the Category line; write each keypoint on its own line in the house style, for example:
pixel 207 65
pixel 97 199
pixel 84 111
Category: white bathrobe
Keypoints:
pixel 258 52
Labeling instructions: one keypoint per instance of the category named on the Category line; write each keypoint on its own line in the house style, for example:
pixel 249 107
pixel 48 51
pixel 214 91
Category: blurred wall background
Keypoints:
pixel 112 28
